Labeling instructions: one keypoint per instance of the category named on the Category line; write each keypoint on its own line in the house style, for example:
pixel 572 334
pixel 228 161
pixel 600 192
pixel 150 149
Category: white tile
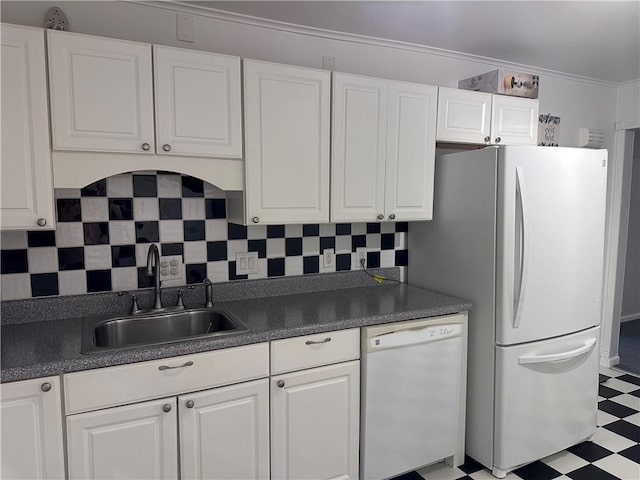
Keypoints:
pixel 387 227
pixel 441 471
pixel 97 257
pixel 400 240
pixel 124 278
pixel 211 191
pixel 171 231
pixel 635 419
pixel 310 245
pixel 67 193
pixel 293 266
pixel 195 252
pixel 565 461
pixel 403 274
pixel 327 229
pixel 145 209
pixel 193 209
pixel 275 247
pixel 72 282
pixel 218 271
pixel 343 244
pixel 122 232
pixel 13 240
pixel 294 230
pixel 619 466
pixel 169 186
pixel 358 228
pixel 94 209
pixel 610 373
pixel 620 385
pixel 43 259
pixel 627 400
pixel 236 246
pixel 120 186
pixel 373 241
pixel 69 234
pixel 611 441
pixel 256 232
pixel 387 258
pixel 14 286
pixel 605 418
pixel 142 250
pixel 216 229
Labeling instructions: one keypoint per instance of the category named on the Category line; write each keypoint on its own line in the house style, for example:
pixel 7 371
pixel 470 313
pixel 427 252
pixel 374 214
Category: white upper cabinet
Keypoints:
pixel 197 99
pixel 25 161
pixel 465 116
pixel 383 148
pixel 286 114
pixel 101 93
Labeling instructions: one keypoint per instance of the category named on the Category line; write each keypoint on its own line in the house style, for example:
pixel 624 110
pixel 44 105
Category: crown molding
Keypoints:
pixel 179 6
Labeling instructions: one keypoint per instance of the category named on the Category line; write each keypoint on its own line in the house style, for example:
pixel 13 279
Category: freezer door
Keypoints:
pixel 550 241
pixel 546 397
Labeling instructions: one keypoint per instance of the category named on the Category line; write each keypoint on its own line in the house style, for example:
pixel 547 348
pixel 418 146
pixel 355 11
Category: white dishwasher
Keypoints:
pixel 412 395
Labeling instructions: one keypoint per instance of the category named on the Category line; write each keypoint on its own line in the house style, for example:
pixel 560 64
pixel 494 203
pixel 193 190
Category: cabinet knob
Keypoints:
pixel 380 216
pixel 42 222
pixel 190 404
pixel 166 147
pixel 498 139
pixel 45 387
pixel 392 216
pixel 146 146
pixel 255 219
pixel 281 383
pixel 487 139
pixel 166 407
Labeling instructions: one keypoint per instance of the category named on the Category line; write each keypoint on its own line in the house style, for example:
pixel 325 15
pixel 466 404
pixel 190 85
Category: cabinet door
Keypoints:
pixel 101 93
pixel 25 161
pixel 224 433
pixel 514 121
pixel 135 441
pixel 463 116
pixel 411 143
pixel 287 143
pixel 197 103
pixel 358 146
pixel 315 423
pixel 32 429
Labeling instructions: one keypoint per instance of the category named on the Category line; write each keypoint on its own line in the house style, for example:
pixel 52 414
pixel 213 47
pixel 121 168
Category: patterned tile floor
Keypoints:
pixel 614 453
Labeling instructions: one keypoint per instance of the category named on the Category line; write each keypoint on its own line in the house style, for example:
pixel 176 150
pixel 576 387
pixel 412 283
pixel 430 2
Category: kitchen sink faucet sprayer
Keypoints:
pixel 209 290
pixel 153 270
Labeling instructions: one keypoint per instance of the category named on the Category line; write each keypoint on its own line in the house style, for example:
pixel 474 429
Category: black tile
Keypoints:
pixel 98 280
pixel 402 227
pixel 607 392
pixel 71 258
pixel 409 476
pixel 192 187
pixel 147 232
pixel 144 280
pixel 327 242
pixel 343 261
pixel 123 256
pixel 465 477
pixel 259 246
pixel 615 408
pixel 194 230
pixel 120 209
pixel 402 258
pixel 602 378
pixel 373 259
pixel 145 186
pixel 44 284
pixel 172 249
pixel 358 241
pixel 96 233
pixel 589 451
pixel 373 228
pixel 275 231
pixel 97 189
pixel 170 208
pixel 215 208
pixel 275 267
pixel 630 379
pixel 69 210
pixel 625 429
pixel 591 472
pixel 293 247
pixel 311 230
pixel 232 272
pixel 635 393
pixel 387 241
pixel 14 261
pixel 343 229
pixel 632 453
pixel 42 239
pixel 236 232
pixel 470 465
pixel 537 471
pixel 195 272
pixel 311 264
pixel 216 251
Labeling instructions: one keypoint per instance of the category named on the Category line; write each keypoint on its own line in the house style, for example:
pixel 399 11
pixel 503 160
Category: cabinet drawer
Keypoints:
pixel 314 350
pixel 105 387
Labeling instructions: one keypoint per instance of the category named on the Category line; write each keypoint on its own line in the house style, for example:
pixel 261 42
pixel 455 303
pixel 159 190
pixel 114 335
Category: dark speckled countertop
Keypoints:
pixel 33 349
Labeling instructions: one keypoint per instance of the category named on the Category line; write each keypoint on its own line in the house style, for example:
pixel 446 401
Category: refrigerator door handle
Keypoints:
pixel 557 357
pixel 521 261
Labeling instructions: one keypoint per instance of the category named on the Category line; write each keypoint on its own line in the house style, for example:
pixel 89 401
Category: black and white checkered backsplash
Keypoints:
pixel 104 230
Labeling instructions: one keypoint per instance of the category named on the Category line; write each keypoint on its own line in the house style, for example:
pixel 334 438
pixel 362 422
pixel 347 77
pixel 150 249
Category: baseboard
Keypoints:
pixel 608 362
pixel 628 318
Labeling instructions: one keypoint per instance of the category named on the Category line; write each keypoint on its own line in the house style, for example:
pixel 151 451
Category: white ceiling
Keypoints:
pixel 595 39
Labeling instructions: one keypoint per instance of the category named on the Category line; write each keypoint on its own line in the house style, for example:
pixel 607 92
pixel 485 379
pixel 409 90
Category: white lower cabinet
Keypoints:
pixel 32 445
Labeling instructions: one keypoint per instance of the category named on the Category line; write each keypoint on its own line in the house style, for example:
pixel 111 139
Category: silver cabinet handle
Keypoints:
pixel 166 407
pixel 166 147
pixel 380 216
pixel 185 364
pixel 498 139
pixel 45 387
pixel 255 219
pixel 392 216
pixel 281 383
pixel 190 404
pixel 42 222
pixel 487 139
pixel 316 342
pixel 146 146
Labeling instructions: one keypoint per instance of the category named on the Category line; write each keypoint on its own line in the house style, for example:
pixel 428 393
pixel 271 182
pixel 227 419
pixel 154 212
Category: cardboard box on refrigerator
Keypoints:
pixel 503 82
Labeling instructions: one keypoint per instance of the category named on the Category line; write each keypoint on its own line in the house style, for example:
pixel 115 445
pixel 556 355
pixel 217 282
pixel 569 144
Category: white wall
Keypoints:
pixel 628 105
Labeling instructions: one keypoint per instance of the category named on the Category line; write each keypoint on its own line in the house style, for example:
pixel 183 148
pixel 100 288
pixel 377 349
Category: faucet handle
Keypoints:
pixel 180 302
pixel 209 293
pixel 134 302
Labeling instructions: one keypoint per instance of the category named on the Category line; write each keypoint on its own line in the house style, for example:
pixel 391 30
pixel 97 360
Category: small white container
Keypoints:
pixel 503 82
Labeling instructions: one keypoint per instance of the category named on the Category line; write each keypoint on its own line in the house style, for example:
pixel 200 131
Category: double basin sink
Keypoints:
pixel 157 327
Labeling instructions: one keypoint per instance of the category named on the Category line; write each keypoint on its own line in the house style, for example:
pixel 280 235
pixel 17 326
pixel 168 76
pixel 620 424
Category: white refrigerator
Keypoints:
pixel 519 231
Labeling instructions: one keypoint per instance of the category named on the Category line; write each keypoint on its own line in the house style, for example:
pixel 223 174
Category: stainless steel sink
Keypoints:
pixel 157 327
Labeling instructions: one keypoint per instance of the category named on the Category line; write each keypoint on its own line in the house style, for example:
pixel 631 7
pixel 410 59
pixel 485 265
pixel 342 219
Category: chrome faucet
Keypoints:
pixel 209 290
pixel 153 270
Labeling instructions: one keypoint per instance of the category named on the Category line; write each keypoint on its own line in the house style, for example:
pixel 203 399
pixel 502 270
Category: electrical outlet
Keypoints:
pixel 328 63
pixel 361 257
pixel 246 263
pixel 171 267
pixel 328 257
pixel 184 27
